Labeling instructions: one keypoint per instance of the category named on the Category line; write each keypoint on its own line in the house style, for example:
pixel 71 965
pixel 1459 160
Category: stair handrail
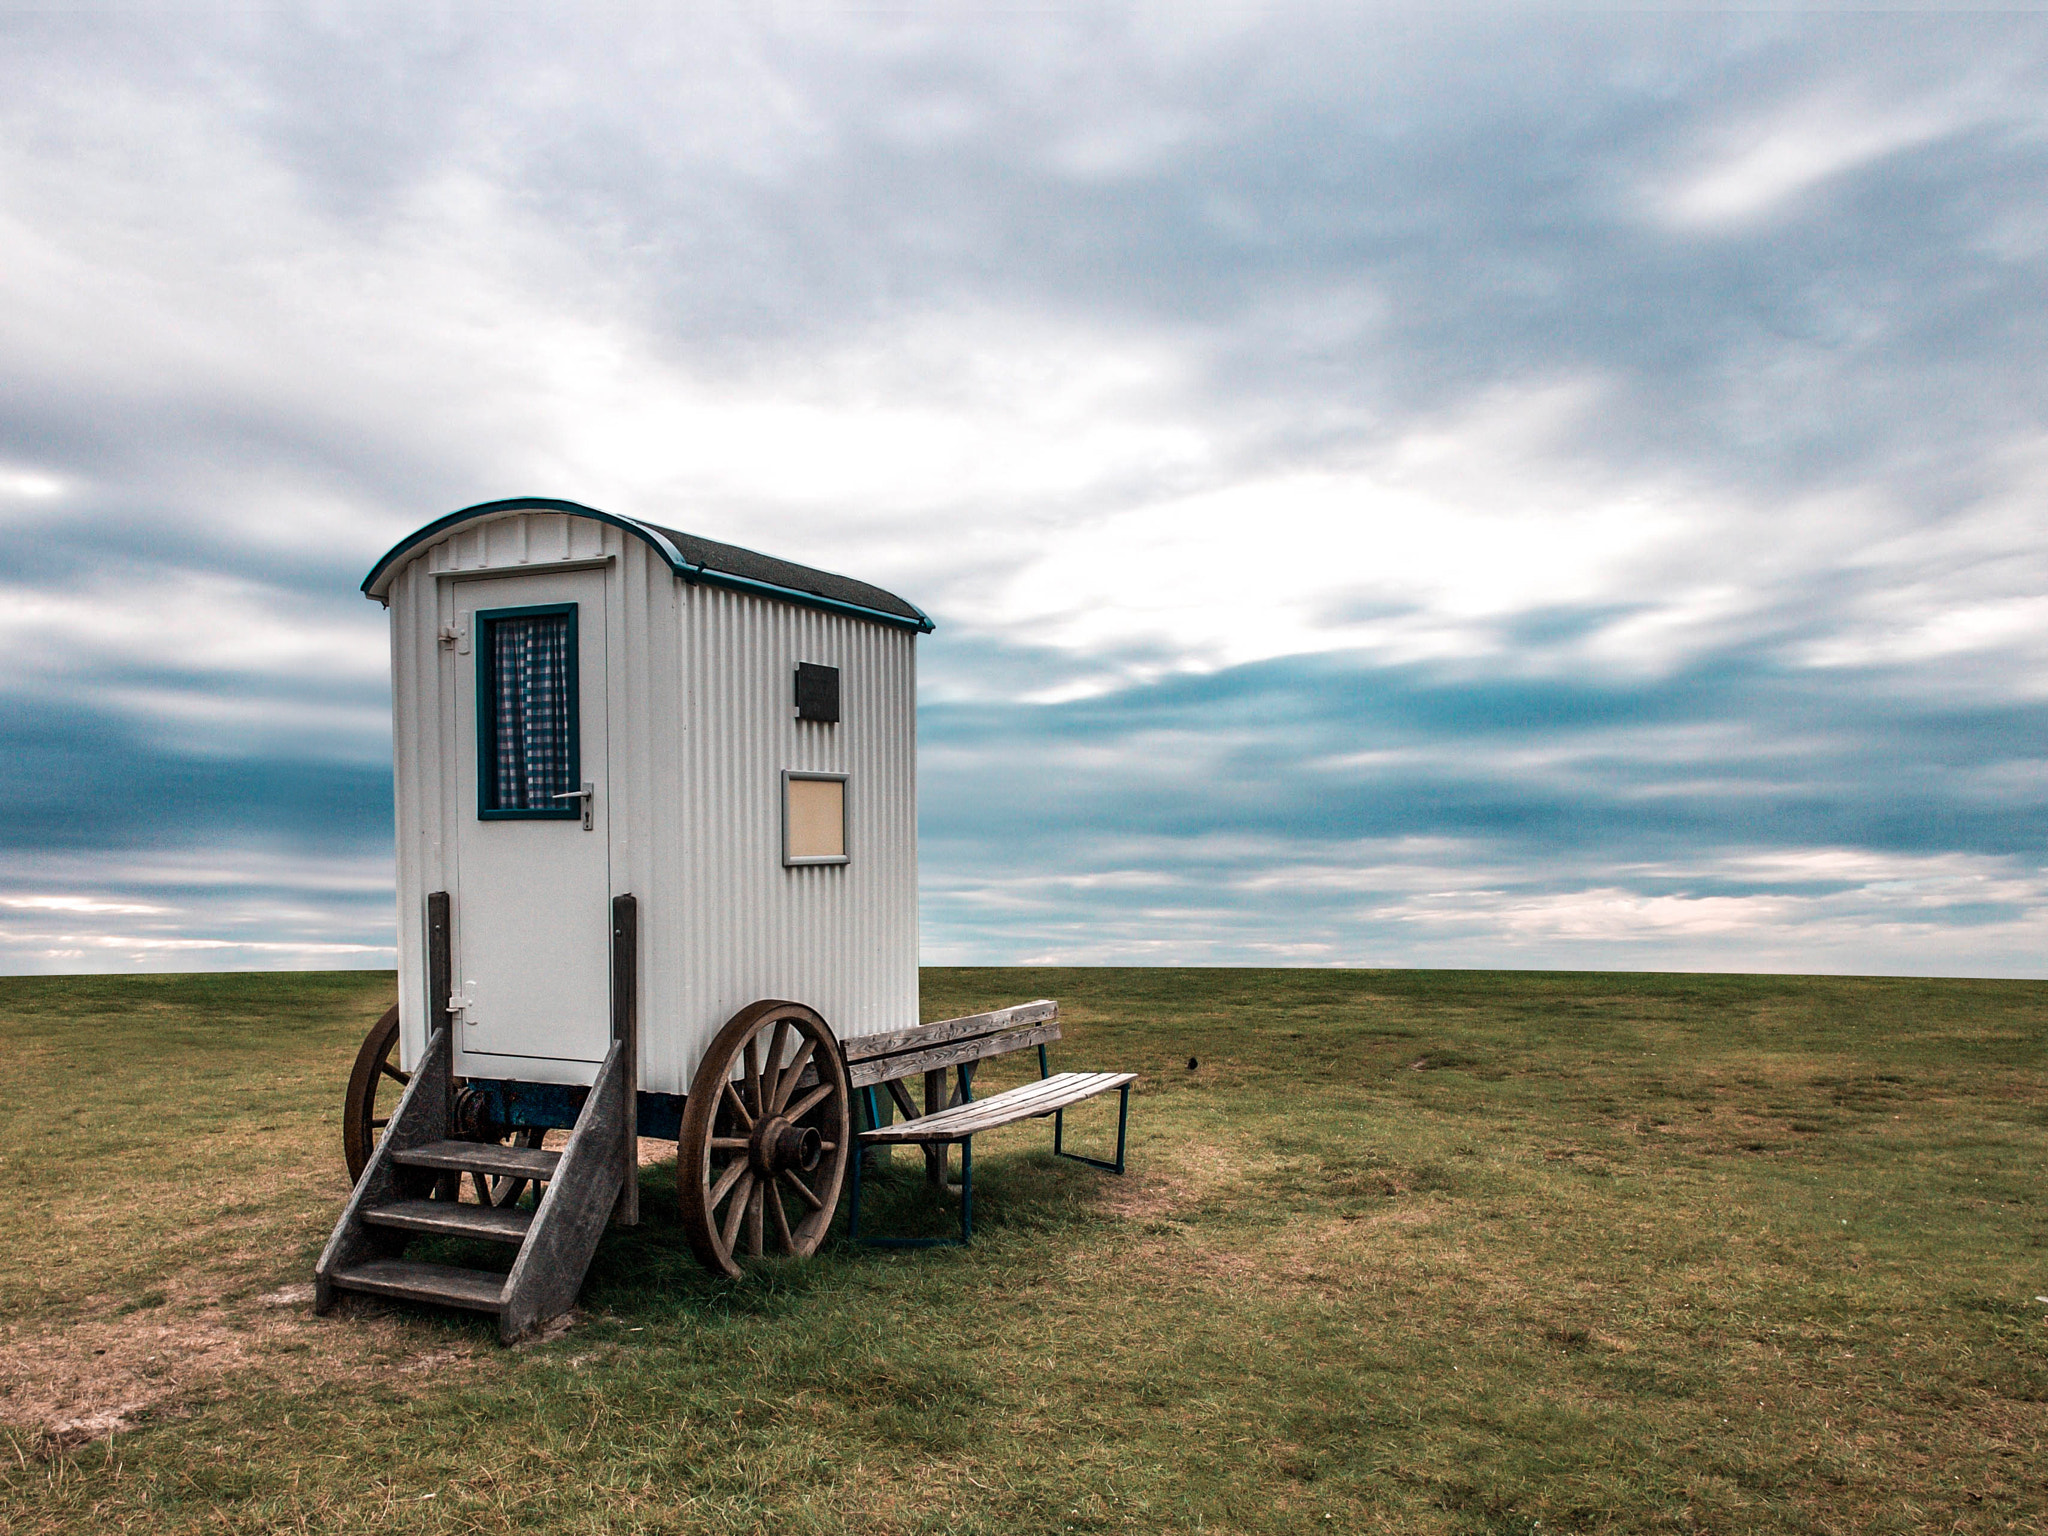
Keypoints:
pixel 573 1213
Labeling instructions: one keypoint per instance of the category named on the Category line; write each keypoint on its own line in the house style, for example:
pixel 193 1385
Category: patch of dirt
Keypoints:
pixel 67 1387
pixel 1374 1221
pixel 1185 1265
pixel 1198 1172
pixel 1326 1258
pixel 1724 1124
pixel 550 1330
pixel 98 1377
pixel 68 1434
pixel 652 1148
pixel 432 1360
pixel 1152 1197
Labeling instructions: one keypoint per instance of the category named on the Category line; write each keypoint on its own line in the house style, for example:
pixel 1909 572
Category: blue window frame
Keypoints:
pixel 528 748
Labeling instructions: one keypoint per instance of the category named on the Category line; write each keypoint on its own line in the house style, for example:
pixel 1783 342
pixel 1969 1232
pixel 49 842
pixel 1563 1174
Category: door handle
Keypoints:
pixel 586 794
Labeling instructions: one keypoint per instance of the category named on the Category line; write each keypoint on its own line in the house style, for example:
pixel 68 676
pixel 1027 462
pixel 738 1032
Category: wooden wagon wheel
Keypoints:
pixel 766 1127
pixel 374 1086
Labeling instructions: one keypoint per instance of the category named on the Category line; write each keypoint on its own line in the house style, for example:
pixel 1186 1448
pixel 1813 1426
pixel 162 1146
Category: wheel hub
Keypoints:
pixel 777 1144
pixel 474 1115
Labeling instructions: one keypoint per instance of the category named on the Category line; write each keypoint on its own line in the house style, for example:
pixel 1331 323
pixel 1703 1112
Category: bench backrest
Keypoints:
pixel 875 1059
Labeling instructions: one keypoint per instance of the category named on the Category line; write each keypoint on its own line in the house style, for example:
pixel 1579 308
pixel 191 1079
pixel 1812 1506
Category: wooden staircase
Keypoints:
pixel 413 1183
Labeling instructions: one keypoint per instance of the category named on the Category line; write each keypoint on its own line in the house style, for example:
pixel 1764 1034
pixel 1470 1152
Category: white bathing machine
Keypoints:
pixel 657 876
pixel 656 804
pixel 585 707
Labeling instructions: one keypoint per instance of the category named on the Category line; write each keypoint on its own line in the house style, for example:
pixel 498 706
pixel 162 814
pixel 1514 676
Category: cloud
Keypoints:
pixel 1761 166
pixel 1579 455
pixel 81 904
pixel 233 904
pixel 91 780
pixel 1458 903
pixel 188 622
pixel 1365 814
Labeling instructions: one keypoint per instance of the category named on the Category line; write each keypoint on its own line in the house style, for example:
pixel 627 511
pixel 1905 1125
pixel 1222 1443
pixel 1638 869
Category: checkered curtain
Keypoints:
pixel 533 710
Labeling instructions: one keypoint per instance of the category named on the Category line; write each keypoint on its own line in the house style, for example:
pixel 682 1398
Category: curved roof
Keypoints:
pixel 693 559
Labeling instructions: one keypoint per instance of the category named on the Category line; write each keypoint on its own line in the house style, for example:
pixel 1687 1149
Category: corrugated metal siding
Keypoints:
pixel 700 727
pixel 842 938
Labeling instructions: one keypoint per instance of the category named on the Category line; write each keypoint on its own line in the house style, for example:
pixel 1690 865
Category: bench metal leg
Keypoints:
pixel 966 1144
pixel 1123 1120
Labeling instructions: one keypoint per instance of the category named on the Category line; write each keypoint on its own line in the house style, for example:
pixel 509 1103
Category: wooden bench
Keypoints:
pixel 888 1061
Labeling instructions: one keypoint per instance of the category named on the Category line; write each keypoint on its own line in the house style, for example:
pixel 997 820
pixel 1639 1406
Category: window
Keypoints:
pixel 527 757
pixel 813 818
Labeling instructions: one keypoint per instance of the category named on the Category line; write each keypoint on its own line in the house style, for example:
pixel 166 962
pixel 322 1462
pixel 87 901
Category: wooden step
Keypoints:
pixel 477 1289
pixel 481 1157
pixel 445 1218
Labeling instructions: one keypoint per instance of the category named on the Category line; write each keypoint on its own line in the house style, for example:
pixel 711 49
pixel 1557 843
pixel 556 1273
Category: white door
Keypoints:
pixel 532 900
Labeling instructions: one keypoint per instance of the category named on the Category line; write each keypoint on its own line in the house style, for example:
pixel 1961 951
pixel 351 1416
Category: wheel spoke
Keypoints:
pixel 390 1071
pixel 737 1209
pixel 723 1187
pixel 729 1143
pixel 786 1084
pixel 809 1102
pixel 738 1106
pixel 803 1189
pixel 756 1197
pixel 378 1125
pixel 754 1075
pixel 781 1218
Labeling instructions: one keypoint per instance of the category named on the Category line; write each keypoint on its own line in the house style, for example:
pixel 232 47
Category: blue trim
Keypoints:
pixel 966 1237
pixel 752 588
pixel 1123 1121
pixel 441 525
pixel 1059 1124
pixel 373 583
pixel 555 1106
pixel 486 726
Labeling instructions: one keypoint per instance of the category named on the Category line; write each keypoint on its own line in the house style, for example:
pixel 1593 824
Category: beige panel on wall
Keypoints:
pixel 816 818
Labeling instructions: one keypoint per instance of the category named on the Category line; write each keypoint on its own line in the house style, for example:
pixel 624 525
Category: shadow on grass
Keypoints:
pixel 649 1270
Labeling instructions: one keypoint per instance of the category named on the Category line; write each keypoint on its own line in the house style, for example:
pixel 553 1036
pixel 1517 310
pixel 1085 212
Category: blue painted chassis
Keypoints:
pixel 555 1106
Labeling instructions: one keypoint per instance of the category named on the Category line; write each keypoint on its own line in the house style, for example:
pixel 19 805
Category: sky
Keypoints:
pixel 1528 488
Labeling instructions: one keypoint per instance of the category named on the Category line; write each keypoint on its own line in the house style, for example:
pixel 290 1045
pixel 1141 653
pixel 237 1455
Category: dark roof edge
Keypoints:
pixel 375 585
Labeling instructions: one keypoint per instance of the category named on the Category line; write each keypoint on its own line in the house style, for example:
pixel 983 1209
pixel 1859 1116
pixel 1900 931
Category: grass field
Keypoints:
pixel 1424 1252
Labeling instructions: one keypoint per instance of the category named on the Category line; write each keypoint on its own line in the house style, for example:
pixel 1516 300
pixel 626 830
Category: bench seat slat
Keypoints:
pixel 896 1042
pixel 880 1069
pixel 1024 1103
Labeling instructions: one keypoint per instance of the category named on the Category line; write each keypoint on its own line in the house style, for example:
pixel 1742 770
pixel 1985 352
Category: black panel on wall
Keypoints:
pixel 817 693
